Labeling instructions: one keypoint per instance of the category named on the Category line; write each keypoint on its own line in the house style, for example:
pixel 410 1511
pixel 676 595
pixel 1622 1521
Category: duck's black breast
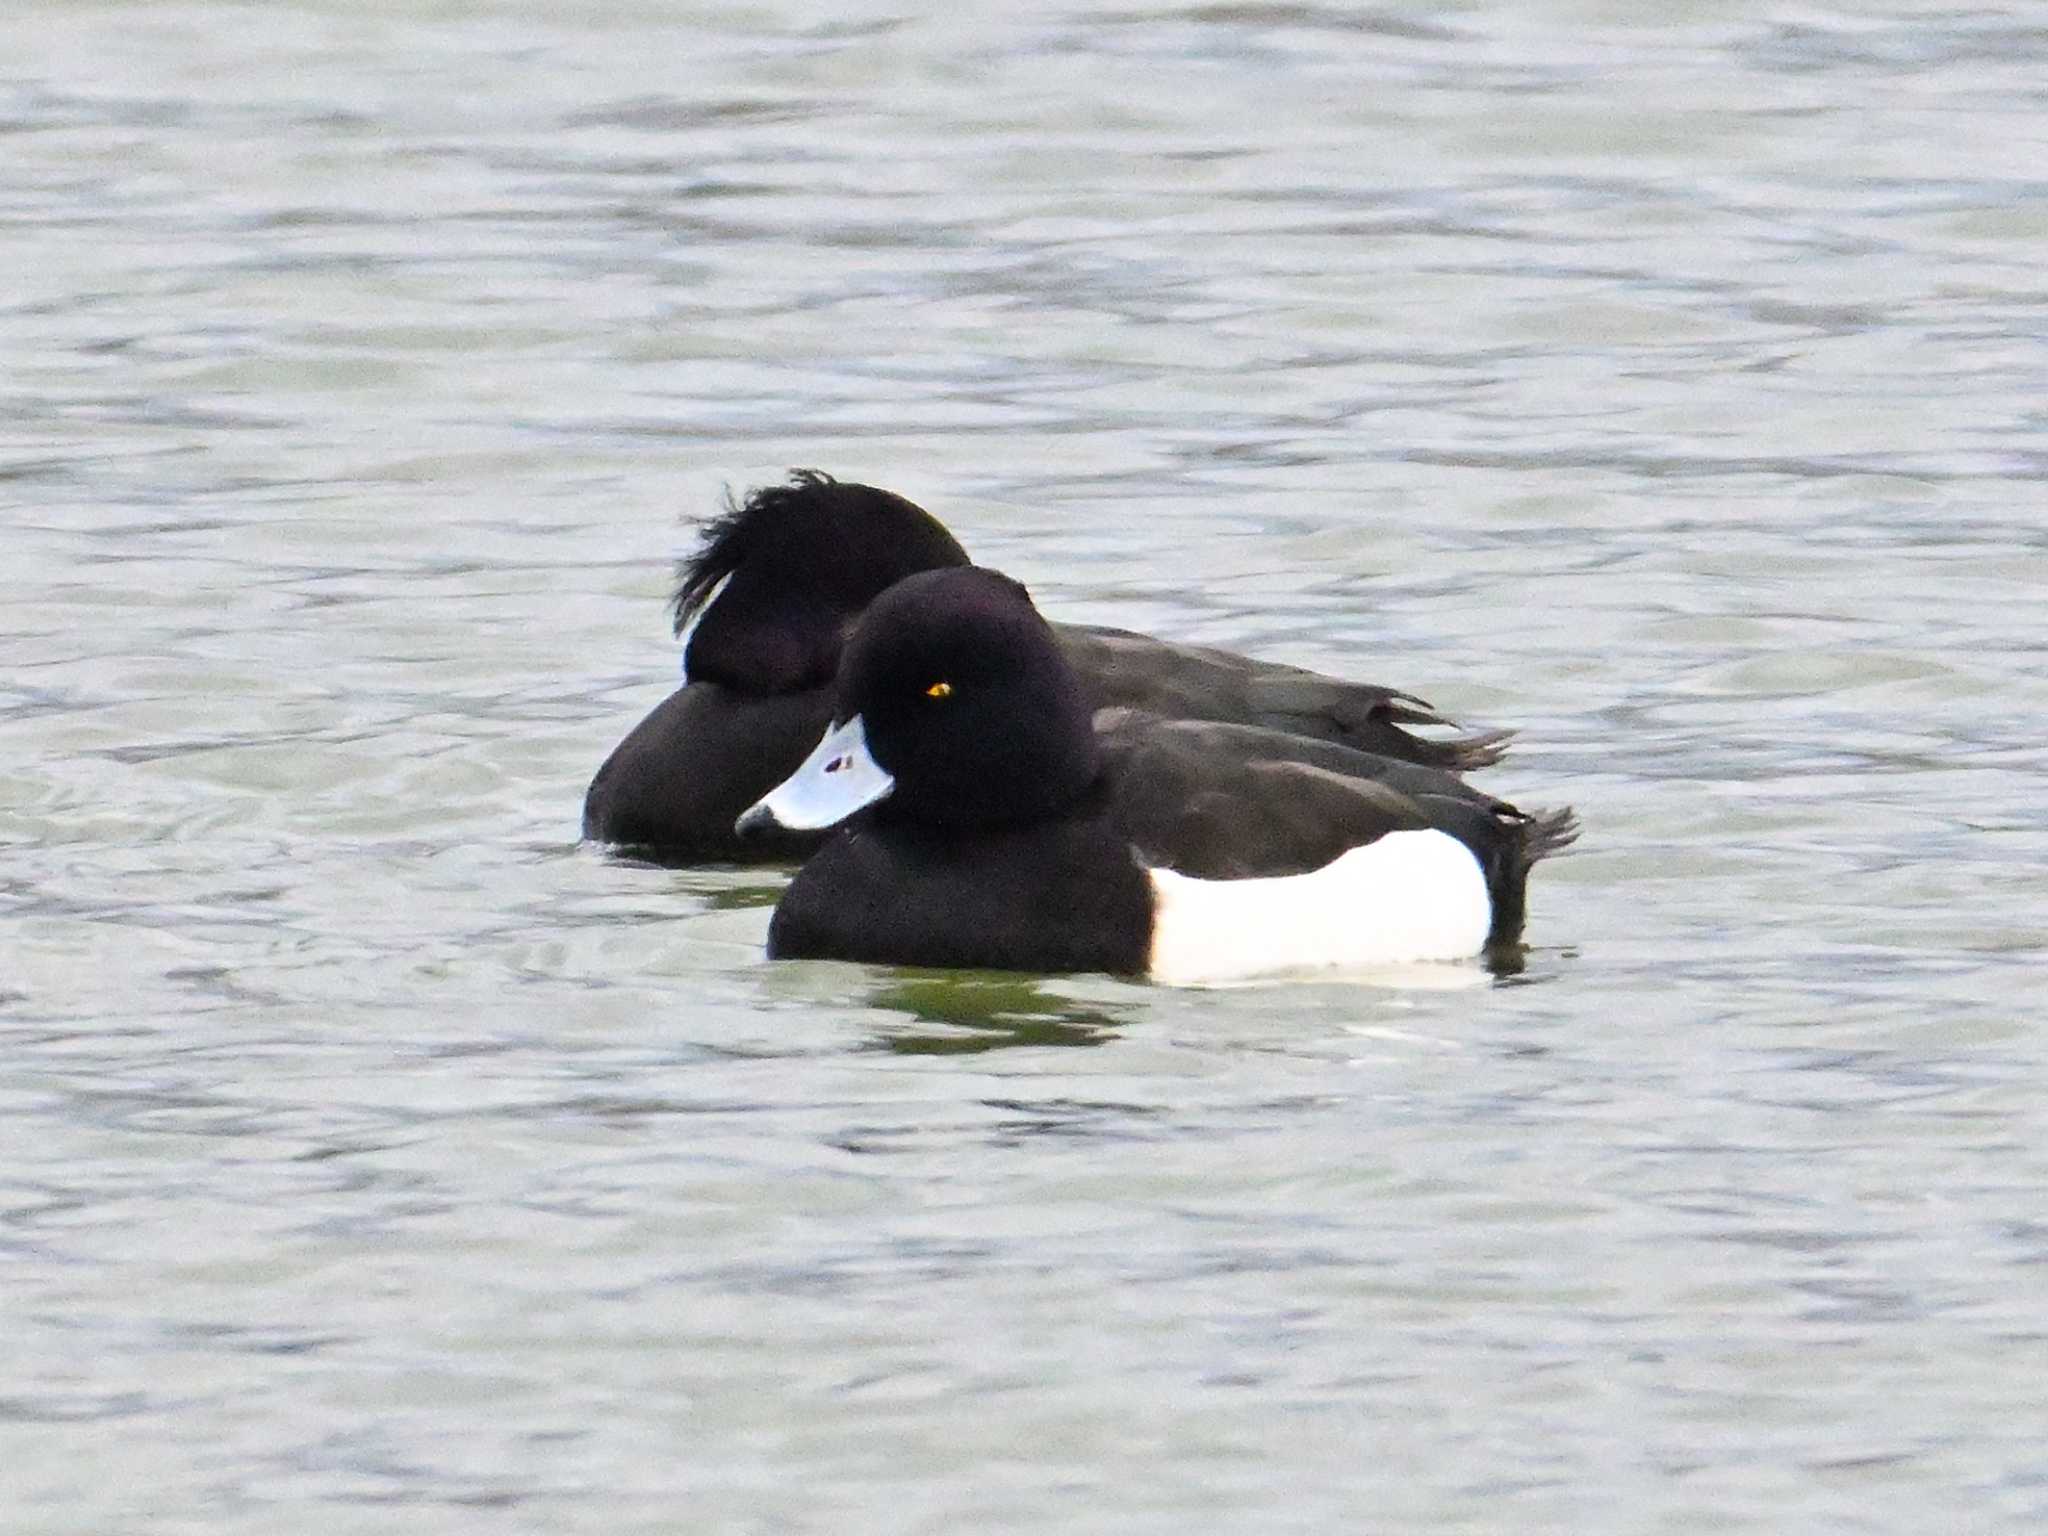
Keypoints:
pixel 1063 895
pixel 681 778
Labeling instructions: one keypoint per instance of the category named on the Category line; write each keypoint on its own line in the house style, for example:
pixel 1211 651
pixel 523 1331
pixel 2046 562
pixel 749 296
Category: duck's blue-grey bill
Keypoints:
pixel 837 779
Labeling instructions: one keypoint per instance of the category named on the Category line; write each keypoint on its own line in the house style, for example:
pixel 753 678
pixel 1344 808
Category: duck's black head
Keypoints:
pixel 967 702
pixel 799 562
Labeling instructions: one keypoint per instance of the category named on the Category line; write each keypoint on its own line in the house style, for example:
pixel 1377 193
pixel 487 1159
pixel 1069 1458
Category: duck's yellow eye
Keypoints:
pixel 939 691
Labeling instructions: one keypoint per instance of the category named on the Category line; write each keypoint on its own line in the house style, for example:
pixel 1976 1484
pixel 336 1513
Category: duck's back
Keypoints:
pixel 1120 668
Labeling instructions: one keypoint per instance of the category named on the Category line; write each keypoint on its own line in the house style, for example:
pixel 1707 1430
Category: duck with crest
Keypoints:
pixel 763 608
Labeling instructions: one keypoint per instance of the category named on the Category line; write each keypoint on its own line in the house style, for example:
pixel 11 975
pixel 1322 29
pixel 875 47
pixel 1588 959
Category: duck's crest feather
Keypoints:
pixel 728 538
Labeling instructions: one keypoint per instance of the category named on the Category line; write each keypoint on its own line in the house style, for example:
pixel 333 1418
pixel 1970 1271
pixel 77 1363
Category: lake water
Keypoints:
pixel 1664 382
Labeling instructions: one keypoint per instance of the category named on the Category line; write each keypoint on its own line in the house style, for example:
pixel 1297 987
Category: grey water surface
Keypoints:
pixel 1669 383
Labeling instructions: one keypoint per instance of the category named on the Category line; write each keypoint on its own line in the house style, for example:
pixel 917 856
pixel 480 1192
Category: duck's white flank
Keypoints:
pixel 1409 896
pixel 690 629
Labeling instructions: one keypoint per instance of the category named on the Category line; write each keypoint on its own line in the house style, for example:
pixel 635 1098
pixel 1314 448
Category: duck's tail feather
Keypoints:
pixel 1528 837
pixel 1394 709
pixel 1550 832
pixel 1460 754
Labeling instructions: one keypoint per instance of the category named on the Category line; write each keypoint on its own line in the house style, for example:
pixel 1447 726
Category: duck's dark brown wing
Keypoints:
pixel 1198 682
pixel 1225 802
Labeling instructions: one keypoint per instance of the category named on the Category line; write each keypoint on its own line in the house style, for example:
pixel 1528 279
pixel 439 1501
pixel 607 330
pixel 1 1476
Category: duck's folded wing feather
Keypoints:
pixel 1196 682
pixel 1228 802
